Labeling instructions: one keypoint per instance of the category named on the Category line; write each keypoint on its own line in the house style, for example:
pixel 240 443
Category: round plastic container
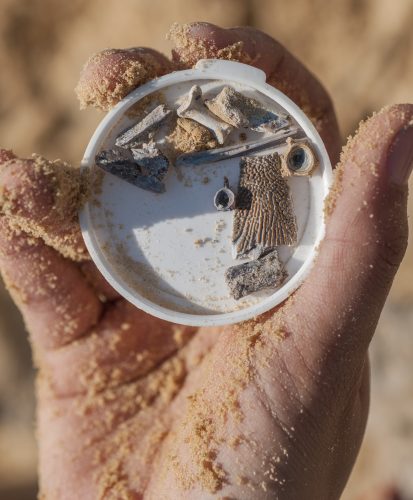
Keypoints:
pixel 167 253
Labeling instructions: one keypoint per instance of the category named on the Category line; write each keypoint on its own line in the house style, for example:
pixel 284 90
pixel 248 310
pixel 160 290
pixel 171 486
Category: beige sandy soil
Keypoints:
pixel 362 50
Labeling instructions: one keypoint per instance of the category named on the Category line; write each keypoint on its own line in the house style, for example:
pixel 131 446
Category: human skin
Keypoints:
pixel 130 406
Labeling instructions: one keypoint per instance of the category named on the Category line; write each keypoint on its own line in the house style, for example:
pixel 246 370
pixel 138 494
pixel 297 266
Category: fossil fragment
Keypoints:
pixel 141 130
pixel 266 272
pixel 220 154
pixel 144 168
pixel 241 111
pixel 298 158
pixel 151 161
pixel 189 136
pixel 264 216
pixel 224 199
pixel 194 108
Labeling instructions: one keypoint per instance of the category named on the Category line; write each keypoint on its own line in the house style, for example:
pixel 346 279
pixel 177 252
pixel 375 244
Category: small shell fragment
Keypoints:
pixel 193 107
pixel 244 112
pixel 264 216
pixel 298 158
pixel 224 199
pixel 141 130
pixel 144 168
pixel 266 272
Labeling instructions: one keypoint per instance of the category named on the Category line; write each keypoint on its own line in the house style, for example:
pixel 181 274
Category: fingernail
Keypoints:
pixel 400 160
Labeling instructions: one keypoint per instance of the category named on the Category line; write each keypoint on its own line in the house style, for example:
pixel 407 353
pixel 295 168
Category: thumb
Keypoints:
pixel 42 198
pixel 366 237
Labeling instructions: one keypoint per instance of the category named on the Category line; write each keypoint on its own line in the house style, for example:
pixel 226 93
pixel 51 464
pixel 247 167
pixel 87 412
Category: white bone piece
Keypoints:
pixel 142 129
pixel 194 108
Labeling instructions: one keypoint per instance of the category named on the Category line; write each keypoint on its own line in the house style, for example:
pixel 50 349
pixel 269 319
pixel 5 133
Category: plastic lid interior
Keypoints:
pixel 167 253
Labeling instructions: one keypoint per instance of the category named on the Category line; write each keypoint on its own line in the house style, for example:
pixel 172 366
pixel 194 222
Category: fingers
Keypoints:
pixel 6 155
pixel 248 45
pixel 43 199
pixel 110 75
pixel 366 238
pixel 57 304
pixel 125 345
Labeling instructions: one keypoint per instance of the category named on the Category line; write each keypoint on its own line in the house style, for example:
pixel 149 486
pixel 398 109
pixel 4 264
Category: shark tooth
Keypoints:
pixel 299 158
pixel 144 168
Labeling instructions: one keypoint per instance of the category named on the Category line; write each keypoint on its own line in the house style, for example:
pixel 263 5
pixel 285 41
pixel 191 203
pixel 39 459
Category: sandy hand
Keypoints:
pixel 134 407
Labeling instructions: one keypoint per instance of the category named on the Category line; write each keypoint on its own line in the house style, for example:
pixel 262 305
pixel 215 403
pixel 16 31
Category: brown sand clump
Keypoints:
pixel 57 226
pixel 111 74
pixel 191 49
pixel 190 136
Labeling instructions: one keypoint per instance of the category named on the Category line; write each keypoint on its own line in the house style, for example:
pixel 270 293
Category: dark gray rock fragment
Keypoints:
pixel 144 168
pixel 265 272
pixel 237 150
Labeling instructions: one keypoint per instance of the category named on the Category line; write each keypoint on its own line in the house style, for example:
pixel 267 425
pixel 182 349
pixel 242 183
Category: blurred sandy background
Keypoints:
pixel 361 49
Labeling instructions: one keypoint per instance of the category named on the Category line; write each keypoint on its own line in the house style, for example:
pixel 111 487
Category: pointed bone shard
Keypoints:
pixel 144 168
pixel 241 111
pixel 141 130
pixel 266 272
pixel 194 108
pixel 264 216
pixel 220 154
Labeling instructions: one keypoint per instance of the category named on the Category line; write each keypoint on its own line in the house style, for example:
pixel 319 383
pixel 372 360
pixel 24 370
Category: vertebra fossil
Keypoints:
pixel 298 158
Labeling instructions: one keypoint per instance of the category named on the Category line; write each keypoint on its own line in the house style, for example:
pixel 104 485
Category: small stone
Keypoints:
pixel 250 277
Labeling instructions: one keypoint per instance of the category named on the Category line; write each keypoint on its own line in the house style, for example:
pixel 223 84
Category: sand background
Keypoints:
pixel 361 50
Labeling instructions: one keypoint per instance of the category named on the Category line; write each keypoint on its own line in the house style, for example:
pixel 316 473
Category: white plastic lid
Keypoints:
pixel 167 253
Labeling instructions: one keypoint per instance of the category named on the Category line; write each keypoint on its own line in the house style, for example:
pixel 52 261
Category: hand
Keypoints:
pixel 132 407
